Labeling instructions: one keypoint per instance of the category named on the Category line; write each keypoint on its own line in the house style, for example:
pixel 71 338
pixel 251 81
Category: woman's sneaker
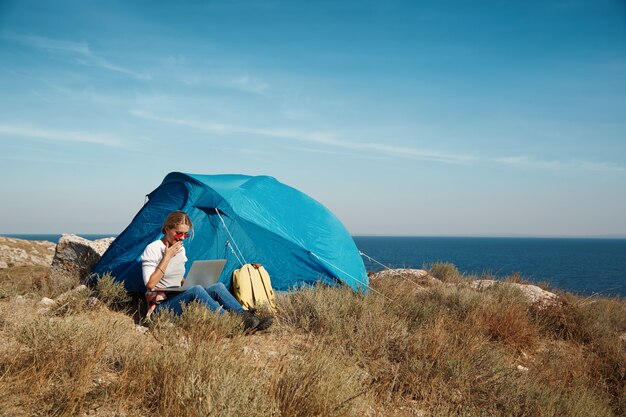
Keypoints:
pixel 250 322
pixel 264 323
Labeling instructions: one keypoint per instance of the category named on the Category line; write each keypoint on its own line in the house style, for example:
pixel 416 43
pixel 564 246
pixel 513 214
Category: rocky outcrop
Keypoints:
pixel 417 275
pixel 533 293
pixel 20 252
pixel 399 273
pixel 73 260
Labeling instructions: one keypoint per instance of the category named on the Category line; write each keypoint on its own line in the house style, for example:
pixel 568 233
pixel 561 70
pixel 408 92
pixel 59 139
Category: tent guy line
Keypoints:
pixel 233 240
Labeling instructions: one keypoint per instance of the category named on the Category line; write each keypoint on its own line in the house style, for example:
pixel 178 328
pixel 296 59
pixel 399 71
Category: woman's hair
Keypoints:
pixel 174 219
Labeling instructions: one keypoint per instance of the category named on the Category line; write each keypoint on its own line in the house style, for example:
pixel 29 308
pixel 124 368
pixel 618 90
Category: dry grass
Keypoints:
pixel 21 280
pixel 417 349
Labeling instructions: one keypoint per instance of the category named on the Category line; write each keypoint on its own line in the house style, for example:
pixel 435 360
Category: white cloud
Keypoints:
pixel 61 135
pixel 81 50
pixel 574 164
pixel 324 138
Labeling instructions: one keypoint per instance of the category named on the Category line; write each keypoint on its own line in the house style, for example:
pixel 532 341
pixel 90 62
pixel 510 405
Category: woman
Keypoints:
pixel 163 265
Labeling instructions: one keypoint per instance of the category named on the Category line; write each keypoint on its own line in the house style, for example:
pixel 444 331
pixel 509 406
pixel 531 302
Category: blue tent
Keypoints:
pixel 242 219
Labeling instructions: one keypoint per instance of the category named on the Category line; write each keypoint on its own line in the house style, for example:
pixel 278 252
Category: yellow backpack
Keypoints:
pixel 252 287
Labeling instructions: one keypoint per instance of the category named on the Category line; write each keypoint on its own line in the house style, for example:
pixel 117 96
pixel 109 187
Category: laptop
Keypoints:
pixel 203 273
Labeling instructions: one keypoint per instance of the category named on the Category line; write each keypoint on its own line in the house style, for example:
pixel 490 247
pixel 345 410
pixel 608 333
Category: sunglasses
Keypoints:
pixel 181 234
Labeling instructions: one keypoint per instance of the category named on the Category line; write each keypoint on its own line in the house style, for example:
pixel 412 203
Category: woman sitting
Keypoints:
pixel 163 265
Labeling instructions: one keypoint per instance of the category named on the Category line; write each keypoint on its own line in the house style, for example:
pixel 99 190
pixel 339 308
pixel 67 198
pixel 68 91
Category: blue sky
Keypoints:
pixel 403 118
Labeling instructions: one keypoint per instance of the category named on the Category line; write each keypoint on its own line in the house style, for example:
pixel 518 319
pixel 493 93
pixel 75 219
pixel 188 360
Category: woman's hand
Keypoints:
pixel 172 249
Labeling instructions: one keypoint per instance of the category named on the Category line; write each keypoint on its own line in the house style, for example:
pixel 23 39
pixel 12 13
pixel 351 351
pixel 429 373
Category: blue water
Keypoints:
pixel 585 266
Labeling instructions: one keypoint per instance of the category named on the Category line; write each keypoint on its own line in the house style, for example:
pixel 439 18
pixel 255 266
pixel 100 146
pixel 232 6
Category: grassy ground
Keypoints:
pixel 415 349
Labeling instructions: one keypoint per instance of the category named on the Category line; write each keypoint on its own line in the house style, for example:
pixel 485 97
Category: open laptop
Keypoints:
pixel 203 273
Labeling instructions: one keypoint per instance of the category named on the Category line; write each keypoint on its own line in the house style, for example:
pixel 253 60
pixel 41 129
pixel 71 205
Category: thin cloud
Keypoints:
pixel 81 50
pixel 418 153
pixel 61 135
pixel 31 158
pixel 338 153
pixel 249 84
pixel 50 44
pixel 244 82
pixel 324 138
pixel 574 164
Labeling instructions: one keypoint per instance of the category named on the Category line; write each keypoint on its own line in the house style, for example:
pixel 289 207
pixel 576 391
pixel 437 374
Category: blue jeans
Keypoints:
pixel 214 298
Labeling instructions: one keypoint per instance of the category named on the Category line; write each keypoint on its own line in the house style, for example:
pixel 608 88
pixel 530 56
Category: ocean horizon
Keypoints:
pixel 583 265
pixel 54 237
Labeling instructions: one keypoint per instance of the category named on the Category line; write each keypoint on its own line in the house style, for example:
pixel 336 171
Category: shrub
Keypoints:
pixel 320 383
pixel 71 302
pixel 321 310
pixel 196 324
pixel 411 347
pixel 516 278
pixel 444 271
pixel 181 377
pixel 503 313
pixel 111 292
pixel 509 324
pixel 55 363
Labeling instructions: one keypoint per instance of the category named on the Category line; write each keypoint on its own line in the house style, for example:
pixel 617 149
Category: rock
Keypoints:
pixel 533 293
pixel 456 396
pixel 183 342
pixel 68 294
pixel 141 329
pixel 537 295
pixel 399 273
pixel 21 252
pixel 73 260
pixel 623 337
pixel 522 368
pixel 46 302
pixel 483 284
pixel 92 302
pixel 250 351
pixel 418 275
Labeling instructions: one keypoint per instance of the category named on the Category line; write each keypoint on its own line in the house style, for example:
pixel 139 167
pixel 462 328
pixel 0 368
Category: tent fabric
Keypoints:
pixel 296 238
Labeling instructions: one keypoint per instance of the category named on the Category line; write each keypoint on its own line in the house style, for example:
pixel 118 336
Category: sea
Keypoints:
pixel 585 266
pixel 580 265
